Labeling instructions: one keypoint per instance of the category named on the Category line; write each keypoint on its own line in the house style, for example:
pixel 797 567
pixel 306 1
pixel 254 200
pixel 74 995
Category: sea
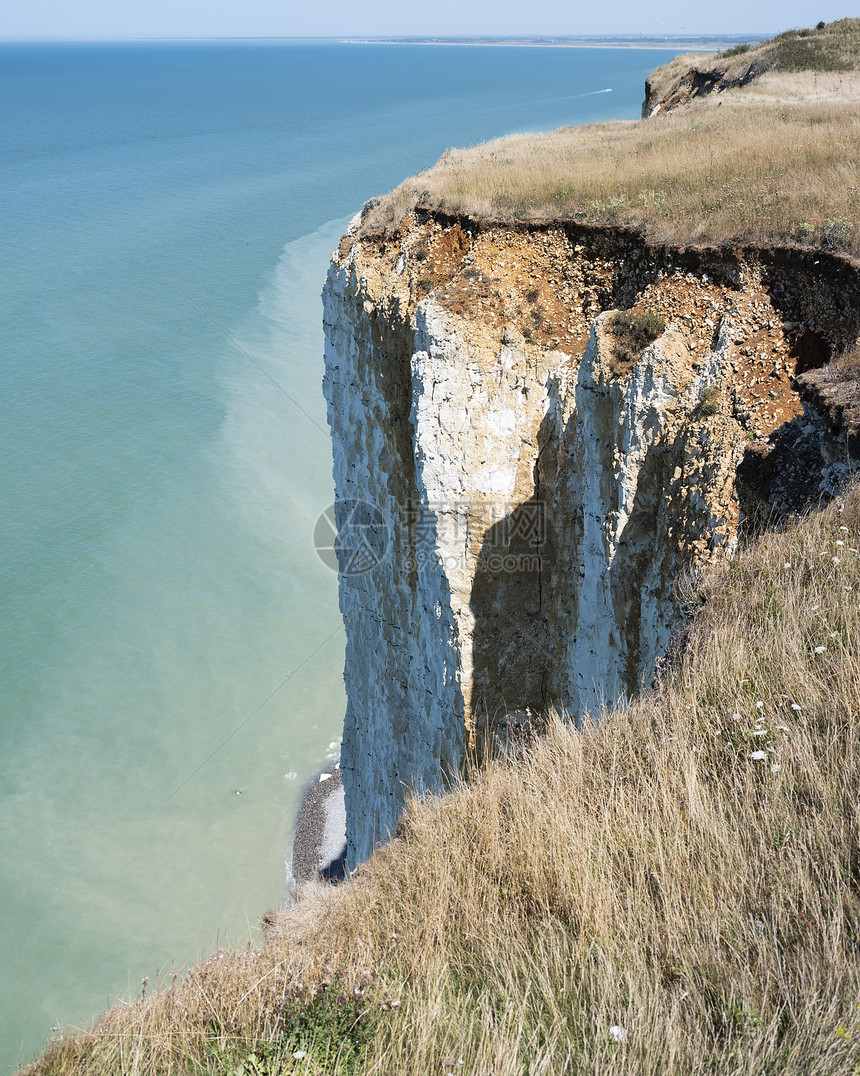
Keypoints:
pixel 171 650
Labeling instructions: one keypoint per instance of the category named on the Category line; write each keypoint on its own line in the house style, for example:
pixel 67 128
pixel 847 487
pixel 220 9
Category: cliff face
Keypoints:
pixel 519 492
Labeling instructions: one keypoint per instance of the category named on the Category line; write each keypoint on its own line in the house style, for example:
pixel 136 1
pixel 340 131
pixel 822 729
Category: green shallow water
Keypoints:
pixel 174 650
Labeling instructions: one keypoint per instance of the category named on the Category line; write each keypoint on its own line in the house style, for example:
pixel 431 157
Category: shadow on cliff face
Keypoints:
pixel 573 608
pixel 530 582
pixel 806 461
pixel 510 601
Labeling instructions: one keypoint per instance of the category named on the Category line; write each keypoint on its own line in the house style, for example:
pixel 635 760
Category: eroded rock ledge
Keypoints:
pixel 518 497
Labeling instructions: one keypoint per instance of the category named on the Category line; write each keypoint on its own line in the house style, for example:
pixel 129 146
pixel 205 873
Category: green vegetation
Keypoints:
pixel 735 50
pixel 675 890
pixel 709 401
pixel 833 46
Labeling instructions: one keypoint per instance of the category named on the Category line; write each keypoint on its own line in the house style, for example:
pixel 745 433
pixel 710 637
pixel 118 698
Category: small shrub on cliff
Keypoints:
pixel 632 330
pixel 735 50
pixel 709 402
pixel 846 367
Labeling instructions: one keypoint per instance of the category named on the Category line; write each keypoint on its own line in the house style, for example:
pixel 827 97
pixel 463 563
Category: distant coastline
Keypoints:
pixel 703 43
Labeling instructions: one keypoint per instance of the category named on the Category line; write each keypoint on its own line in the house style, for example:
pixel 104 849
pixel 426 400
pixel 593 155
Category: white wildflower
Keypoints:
pixel 844 529
pixel 775 768
pixel 839 542
pixel 758 756
pixel 796 706
pixel 617 1034
pixel 759 704
pixel 786 565
pixel 299 1054
pixel 836 560
pixel 781 728
pixel 820 649
pixel 736 717
pixel 760 732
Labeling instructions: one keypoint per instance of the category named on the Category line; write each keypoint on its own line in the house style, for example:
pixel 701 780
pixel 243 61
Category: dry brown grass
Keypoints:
pixel 700 174
pixel 845 368
pixel 649 873
pixel 779 164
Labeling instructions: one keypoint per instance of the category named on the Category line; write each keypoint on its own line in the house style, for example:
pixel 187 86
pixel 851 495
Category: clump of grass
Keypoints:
pixel 845 368
pixel 838 384
pixel 632 331
pixel 673 890
pixel 709 400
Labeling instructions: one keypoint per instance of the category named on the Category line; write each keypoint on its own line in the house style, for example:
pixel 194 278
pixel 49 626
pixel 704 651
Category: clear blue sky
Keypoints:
pixel 124 19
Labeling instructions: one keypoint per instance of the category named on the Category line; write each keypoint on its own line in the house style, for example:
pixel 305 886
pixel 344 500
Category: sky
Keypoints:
pixel 134 19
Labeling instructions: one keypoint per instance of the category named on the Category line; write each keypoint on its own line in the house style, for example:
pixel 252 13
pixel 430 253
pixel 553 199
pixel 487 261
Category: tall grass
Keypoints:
pixel 674 890
pixel 757 173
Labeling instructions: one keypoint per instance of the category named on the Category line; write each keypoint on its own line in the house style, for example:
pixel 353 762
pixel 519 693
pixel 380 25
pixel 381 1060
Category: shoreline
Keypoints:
pixel 319 841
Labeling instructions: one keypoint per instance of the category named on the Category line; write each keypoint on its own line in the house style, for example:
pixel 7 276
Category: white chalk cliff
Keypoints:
pixel 517 494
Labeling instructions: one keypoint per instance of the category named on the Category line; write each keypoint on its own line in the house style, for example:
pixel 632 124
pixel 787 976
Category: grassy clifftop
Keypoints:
pixel 775 161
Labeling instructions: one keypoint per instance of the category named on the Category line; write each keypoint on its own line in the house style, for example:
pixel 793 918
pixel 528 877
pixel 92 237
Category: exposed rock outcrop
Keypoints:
pixel 701 78
pixel 517 495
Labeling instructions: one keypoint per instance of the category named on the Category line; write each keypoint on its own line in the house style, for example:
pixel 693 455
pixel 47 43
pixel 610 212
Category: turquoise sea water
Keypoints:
pixel 167 634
